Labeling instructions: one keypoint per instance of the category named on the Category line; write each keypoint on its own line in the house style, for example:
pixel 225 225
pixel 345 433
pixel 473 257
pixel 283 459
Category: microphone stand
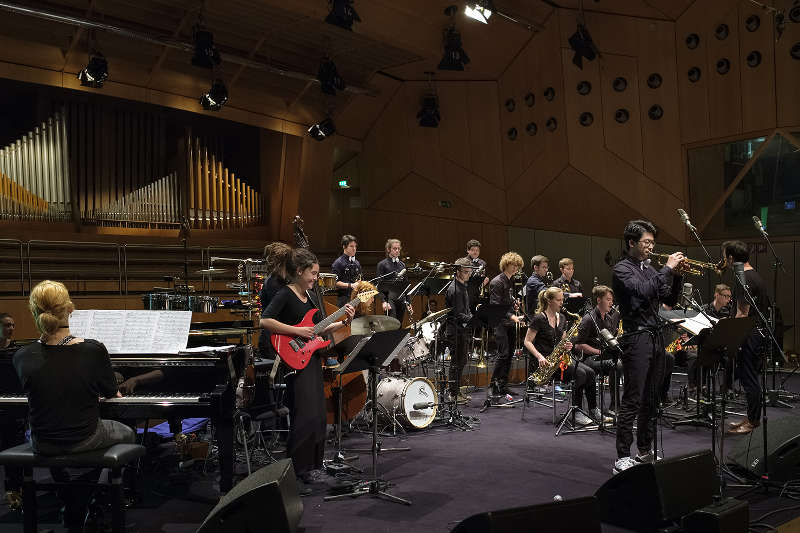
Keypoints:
pixel 773 395
pixel 606 345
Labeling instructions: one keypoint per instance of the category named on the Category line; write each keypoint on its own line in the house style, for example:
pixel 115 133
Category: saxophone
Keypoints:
pixel 543 374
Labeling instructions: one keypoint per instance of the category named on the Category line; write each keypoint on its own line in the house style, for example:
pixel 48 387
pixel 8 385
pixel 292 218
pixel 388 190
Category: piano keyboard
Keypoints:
pixel 155 398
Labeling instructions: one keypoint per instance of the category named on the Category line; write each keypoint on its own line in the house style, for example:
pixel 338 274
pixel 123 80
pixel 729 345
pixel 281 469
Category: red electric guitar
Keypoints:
pixel 296 351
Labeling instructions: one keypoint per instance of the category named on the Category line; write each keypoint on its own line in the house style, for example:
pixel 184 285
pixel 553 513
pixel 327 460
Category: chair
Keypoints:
pixel 115 458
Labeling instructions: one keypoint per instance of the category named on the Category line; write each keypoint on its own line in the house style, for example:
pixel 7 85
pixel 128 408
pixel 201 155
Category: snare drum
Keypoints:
pixel 156 301
pixel 398 395
pixel 327 282
pixel 204 304
pixel 414 352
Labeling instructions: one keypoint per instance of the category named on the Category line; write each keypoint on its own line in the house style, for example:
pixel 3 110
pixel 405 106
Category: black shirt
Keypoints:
pixel 639 288
pixel 287 308
pixel 457 299
pixel 533 287
pixel 391 286
pixel 587 331
pixel 757 289
pixel 724 311
pixel 348 272
pixel 63 384
pixel 573 285
pixel 500 289
pixel 547 336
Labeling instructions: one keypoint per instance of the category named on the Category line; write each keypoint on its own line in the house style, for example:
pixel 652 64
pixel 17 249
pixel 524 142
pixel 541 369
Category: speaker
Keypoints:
pixel 783 450
pixel 266 497
pixel 581 514
pixel 649 495
pixel 726 516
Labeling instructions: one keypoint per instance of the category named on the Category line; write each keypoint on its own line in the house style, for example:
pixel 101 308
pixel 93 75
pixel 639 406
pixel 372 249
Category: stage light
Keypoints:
pixel 216 97
pixel 429 116
pixel 581 43
pixel 342 14
pixel 454 57
pixel 328 76
pixel 96 71
pixel 322 130
pixel 480 10
pixel 205 54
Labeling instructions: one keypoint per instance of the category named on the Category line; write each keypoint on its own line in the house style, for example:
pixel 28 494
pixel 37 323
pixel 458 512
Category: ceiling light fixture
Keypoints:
pixel 328 76
pixel 205 54
pixel 322 130
pixel 428 115
pixel 216 97
pixel 480 10
pixel 342 14
pixel 96 71
pixel 454 57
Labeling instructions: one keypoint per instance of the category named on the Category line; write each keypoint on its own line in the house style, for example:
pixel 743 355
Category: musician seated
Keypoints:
pixel 547 328
pixel 12 429
pixel 63 377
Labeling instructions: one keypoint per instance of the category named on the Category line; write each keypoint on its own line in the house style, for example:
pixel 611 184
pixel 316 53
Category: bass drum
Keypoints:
pixel 398 395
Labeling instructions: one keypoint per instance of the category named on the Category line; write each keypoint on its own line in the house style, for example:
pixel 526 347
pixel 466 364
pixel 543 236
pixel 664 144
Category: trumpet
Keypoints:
pixel 692 266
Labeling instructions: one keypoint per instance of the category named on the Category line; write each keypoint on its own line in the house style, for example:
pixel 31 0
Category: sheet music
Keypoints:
pixel 133 331
pixel 695 324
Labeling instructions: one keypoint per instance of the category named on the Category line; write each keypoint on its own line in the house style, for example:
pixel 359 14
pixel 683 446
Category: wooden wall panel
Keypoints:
pixel 292 180
pixel 479 193
pixel 454 129
pixel 512 86
pixel 358 115
pixel 485 150
pixel 624 139
pixel 494 243
pixel 693 96
pixel 758 83
pixel 787 71
pixel 536 178
pixel 316 168
pixel 586 143
pixel 271 177
pixel 661 149
pixel 423 143
pixel 725 96
pixel 612 34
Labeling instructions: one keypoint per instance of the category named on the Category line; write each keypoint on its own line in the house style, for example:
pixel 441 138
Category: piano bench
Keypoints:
pixel 114 458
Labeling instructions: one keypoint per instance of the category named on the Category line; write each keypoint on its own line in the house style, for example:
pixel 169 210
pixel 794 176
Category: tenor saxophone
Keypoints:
pixel 544 374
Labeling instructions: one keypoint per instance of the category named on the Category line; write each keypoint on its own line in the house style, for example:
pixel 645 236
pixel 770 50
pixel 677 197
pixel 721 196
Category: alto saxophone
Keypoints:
pixel 560 354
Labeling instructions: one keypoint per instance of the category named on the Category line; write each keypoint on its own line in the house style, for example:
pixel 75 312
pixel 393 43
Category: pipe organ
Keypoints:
pixel 98 166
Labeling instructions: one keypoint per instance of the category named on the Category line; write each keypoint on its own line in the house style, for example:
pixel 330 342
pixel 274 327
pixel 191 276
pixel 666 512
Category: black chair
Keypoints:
pixel 115 458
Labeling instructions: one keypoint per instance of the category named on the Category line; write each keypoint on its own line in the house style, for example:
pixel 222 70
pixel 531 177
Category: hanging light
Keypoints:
pixel 216 97
pixel 205 54
pixel 322 130
pixel 328 76
pixel 480 10
pixel 342 14
pixel 96 71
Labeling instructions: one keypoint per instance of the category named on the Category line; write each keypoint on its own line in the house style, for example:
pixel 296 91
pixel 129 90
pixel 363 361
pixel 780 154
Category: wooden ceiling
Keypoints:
pixel 402 39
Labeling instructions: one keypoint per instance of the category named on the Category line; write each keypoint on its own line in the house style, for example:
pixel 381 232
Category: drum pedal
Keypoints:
pixel 337 468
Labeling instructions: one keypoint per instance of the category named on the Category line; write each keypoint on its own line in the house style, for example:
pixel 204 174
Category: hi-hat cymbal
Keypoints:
pixel 211 270
pixel 366 325
pixel 433 316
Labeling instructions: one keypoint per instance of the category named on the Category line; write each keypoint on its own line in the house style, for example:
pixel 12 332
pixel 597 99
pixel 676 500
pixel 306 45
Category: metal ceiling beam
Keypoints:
pixel 165 41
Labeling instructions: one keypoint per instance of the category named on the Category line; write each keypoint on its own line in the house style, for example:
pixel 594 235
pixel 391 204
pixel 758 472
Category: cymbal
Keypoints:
pixel 365 325
pixel 211 270
pixel 434 316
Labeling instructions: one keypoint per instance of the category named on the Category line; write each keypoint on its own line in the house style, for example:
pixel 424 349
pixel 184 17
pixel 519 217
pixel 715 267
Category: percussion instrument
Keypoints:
pixel 327 282
pixel 414 352
pixel 399 395
pixel 366 325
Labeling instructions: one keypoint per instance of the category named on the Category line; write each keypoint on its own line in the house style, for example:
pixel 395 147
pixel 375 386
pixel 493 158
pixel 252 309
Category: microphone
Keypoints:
pixel 738 270
pixel 686 295
pixel 759 226
pixel 685 219
pixel 594 282
pixel 609 338
pixel 401 273
pixel 423 405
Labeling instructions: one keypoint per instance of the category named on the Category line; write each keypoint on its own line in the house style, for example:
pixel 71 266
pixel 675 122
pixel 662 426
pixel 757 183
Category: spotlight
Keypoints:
pixel 454 57
pixel 206 54
pixel 322 130
pixel 480 10
pixel 216 97
pixel 581 43
pixel 329 78
pixel 342 14
pixel 96 71
pixel 429 116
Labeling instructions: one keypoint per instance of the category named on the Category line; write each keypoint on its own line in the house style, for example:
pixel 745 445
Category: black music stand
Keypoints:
pixel 487 316
pixel 372 356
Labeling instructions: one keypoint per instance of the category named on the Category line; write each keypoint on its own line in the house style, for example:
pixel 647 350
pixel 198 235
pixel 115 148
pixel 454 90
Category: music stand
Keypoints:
pixel 488 316
pixel 372 355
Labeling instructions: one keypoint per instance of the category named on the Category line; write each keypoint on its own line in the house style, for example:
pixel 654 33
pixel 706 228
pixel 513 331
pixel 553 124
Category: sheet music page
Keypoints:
pixel 138 331
pixel 80 321
pixel 107 327
pixel 172 331
pixel 695 324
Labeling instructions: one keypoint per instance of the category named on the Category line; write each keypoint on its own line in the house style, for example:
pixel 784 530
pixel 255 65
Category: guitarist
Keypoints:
pixel 304 388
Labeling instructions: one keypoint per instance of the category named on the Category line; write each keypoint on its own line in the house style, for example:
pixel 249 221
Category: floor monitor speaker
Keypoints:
pixel 783 447
pixel 581 514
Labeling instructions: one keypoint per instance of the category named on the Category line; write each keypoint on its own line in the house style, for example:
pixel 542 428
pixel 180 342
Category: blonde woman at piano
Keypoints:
pixel 63 377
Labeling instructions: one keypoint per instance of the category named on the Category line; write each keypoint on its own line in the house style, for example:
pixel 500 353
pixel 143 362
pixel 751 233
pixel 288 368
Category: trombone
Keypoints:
pixel 692 266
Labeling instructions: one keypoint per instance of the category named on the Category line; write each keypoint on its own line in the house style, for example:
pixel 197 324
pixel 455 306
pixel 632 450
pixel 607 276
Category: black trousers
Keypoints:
pixel 669 365
pixel 606 367
pixel 305 397
pixel 749 364
pixel 584 383
pixel 398 310
pixel 643 371
pixel 12 433
pixel 458 343
pixel 504 338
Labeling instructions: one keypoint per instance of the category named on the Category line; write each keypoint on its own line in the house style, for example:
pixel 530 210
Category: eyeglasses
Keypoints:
pixel 648 242
pixel 724 295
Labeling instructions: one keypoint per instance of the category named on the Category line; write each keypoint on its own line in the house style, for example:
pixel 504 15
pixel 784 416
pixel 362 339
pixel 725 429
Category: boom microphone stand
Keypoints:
pixel 773 394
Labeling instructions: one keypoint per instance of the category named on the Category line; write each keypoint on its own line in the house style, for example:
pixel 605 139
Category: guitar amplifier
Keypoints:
pixel 727 516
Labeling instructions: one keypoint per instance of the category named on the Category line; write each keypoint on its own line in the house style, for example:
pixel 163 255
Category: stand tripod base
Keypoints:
pixel 376 488
pixel 574 428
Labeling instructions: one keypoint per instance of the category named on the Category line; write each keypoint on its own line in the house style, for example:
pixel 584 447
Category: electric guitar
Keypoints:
pixel 296 351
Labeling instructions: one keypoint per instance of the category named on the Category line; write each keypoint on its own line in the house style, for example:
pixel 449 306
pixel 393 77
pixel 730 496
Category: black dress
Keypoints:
pixel 305 395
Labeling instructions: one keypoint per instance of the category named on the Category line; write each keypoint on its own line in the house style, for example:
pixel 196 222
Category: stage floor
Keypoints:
pixel 507 461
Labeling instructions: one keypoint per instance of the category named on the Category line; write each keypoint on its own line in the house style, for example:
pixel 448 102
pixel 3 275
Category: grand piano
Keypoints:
pixel 199 384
